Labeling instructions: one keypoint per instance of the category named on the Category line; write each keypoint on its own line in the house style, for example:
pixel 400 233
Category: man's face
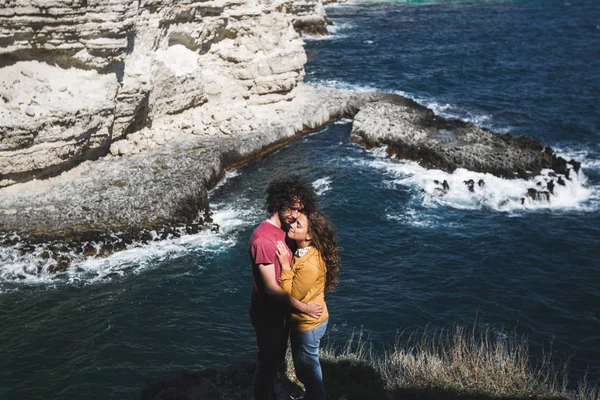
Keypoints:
pixel 288 214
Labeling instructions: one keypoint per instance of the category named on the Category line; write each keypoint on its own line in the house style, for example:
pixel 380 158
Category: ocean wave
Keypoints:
pixel 452 111
pixel 413 218
pixel 315 38
pixel 335 32
pixel 31 265
pixel 343 121
pixel 340 27
pixel 589 158
pixel 435 188
pixel 228 175
pixel 322 185
pixel 337 84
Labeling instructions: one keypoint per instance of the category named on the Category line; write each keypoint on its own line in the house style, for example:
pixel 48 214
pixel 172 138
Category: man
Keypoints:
pixel 287 197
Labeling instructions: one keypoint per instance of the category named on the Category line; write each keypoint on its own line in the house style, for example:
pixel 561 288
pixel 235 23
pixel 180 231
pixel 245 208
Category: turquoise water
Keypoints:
pixel 410 259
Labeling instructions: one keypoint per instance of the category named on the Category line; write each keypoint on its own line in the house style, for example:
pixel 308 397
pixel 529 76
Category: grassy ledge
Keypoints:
pixel 461 362
pixel 458 363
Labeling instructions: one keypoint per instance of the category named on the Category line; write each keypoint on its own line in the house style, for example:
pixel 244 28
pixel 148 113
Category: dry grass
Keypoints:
pixel 459 360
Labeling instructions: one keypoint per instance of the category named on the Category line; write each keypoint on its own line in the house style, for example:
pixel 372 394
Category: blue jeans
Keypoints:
pixel 271 338
pixel 305 352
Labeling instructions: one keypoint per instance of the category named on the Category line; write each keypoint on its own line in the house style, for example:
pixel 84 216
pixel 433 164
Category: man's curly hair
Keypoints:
pixel 286 190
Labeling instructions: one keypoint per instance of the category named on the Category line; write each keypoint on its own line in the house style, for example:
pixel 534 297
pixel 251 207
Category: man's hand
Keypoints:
pixel 267 274
pixel 313 310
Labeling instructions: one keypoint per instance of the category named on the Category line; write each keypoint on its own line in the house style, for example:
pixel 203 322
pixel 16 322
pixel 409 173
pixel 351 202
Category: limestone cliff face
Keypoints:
pixel 76 76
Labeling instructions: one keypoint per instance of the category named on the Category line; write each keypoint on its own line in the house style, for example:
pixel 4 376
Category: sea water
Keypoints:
pixel 411 259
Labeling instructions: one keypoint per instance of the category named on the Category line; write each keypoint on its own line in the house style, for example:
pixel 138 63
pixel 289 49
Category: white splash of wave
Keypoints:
pixel 333 30
pixel 413 218
pixel 337 84
pixel 228 175
pixel 492 193
pixel 322 185
pixel 343 121
pixel 339 27
pixel 315 38
pixel 590 159
pixel 451 111
pixel 33 266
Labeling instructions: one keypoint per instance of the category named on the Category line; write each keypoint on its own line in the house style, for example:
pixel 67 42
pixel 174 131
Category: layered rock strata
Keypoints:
pixel 413 132
pixel 75 76
pixel 166 95
pixel 166 185
pixel 309 17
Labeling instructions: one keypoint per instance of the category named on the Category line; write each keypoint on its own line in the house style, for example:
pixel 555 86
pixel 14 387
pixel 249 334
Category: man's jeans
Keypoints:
pixel 305 352
pixel 271 338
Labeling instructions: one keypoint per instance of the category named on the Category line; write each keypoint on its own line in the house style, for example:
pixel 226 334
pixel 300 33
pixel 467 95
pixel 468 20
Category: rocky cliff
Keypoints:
pixel 185 90
pixel 78 76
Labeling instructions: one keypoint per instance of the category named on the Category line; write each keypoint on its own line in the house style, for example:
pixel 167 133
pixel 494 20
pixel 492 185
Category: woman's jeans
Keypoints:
pixel 305 352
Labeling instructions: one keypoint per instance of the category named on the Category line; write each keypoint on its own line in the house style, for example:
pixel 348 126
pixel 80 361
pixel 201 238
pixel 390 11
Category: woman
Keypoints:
pixel 314 268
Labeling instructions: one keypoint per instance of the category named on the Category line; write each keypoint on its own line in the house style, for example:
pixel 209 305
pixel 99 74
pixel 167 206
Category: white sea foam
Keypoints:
pixel 450 111
pixel 343 121
pixel 335 32
pixel 322 185
pixel 340 27
pixel 336 84
pixel 231 217
pixel 588 158
pixel 332 36
pixel 228 175
pixel 413 218
pixel 32 266
pixel 495 193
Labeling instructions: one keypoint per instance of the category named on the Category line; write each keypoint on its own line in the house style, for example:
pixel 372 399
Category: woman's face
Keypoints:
pixel 299 229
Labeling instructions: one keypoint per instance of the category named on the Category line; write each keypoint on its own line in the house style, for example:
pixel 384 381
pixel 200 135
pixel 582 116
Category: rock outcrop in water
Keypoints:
pixel 413 132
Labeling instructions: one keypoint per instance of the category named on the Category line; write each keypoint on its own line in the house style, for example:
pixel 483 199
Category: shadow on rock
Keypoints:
pixel 232 383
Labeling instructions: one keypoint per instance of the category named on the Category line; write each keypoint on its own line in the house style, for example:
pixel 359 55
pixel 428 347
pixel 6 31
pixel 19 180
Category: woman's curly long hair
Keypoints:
pixel 323 239
pixel 286 190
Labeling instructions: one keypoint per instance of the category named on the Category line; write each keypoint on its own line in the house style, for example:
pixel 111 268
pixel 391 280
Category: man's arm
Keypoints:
pixel 267 274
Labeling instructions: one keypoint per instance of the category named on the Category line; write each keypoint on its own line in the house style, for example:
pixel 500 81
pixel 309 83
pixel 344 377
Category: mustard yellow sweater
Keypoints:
pixel 306 282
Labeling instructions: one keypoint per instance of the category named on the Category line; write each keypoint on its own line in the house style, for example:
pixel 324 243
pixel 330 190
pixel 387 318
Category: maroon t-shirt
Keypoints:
pixel 262 249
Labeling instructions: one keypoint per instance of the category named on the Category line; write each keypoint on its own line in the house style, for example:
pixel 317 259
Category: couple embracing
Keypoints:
pixel 294 260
